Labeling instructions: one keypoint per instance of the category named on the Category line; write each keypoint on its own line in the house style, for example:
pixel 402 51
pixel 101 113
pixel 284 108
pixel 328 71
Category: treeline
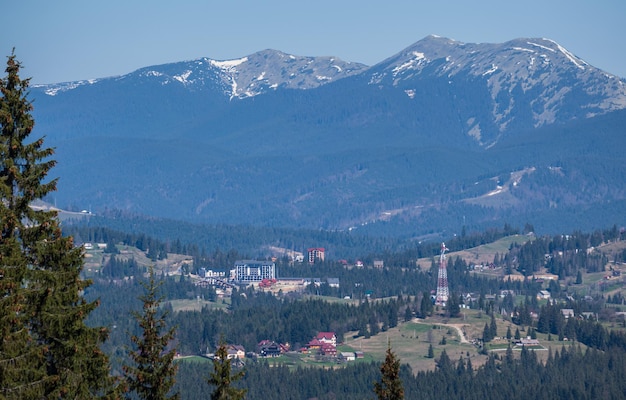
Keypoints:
pixel 562 255
pixel 200 240
pixel 569 373
pixel 256 317
pixel 251 317
pixel 154 248
pixel 403 279
pixel 218 247
pixel 587 331
pixel 206 243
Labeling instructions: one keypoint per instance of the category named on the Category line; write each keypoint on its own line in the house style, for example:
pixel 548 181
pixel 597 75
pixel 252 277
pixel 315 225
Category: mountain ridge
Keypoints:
pixel 536 71
pixel 245 141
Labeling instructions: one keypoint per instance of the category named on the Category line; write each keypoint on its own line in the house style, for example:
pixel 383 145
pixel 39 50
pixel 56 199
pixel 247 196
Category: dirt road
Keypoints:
pixel 459 329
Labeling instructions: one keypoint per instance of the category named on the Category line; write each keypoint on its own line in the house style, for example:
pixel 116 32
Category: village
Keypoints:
pixel 321 348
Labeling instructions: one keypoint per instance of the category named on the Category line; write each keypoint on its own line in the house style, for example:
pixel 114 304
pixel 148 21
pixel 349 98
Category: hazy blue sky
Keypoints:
pixel 66 40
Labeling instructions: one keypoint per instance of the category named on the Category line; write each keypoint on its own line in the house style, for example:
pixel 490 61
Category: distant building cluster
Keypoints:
pixel 209 273
pixel 91 246
pixel 322 345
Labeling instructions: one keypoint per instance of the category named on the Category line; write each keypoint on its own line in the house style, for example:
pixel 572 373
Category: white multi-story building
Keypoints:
pixel 254 271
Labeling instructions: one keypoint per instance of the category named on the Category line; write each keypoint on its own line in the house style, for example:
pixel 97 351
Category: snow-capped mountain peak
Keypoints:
pixel 270 69
pixel 537 74
pixel 243 77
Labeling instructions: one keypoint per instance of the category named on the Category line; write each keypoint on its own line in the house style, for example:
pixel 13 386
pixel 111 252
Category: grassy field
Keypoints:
pixel 195 305
pixel 194 359
pixel 483 254
pixel 410 342
pixel 95 258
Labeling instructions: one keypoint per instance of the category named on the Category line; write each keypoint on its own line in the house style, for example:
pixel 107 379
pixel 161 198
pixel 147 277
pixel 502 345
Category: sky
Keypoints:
pixel 70 40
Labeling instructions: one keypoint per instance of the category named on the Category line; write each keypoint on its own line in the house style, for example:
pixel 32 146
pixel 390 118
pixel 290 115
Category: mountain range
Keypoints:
pixel 439 136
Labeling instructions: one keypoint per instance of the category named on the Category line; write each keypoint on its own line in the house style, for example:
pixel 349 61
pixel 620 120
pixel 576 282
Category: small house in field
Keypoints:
pixel 333 282
pixel 267 348
pixel 543 294
pixel 528 342
pixel 346 356
pixel 236 351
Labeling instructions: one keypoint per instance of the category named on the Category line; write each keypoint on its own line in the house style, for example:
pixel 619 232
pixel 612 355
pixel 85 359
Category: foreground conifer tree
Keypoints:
pixel 390 387
pixel 222 378
pixel 46 349
pixel 153 373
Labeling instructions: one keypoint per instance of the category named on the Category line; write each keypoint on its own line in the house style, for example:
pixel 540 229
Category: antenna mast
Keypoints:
pixel 442 279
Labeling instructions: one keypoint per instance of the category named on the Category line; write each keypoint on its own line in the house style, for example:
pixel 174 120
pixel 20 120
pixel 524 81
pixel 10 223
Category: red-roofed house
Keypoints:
pixel 314 344
pixel 327 337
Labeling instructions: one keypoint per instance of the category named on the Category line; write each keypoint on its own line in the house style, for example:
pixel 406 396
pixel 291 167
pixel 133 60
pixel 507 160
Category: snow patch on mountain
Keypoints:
pixel 228 65
pixel 54 89
pixel 541 46
pixel 183 77
pixel 577 61
pixel 523 49
pixel 412 63
pixel 493 69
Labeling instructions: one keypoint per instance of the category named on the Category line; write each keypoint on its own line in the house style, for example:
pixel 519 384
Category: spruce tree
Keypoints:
pixel 390 387
pixel 493 327
pixel 426 305
pixel 487 334
pixel 153 373
pixel 453 307
pixel 47 350
pixel 579 277
pixel 222 378
pixel 21 362
pixel 408 314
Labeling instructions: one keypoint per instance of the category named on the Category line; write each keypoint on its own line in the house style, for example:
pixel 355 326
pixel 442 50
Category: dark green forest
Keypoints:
pixel 570 373
pixel 601 367
pixel 252 316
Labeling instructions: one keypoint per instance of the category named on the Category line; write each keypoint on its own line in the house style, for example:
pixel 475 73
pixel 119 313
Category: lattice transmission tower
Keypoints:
pixel 442 279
